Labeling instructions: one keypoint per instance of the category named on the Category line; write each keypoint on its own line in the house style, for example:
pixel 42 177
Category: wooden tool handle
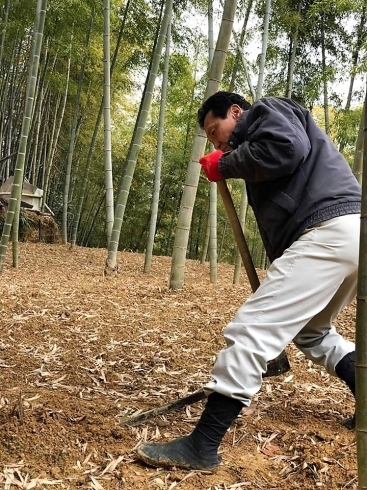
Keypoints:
pixel 238 234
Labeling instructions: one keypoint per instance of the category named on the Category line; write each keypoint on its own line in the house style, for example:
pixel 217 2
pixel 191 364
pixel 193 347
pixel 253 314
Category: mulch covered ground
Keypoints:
pixel 80 352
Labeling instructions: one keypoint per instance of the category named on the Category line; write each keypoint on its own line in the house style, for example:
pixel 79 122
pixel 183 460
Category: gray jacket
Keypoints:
pixel 295 176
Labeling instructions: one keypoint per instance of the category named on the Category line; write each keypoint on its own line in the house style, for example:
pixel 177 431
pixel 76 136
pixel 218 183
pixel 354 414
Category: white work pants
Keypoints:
pixel 302 294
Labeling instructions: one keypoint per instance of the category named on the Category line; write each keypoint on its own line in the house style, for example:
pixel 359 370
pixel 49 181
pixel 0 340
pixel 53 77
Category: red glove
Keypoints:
pixel 209 164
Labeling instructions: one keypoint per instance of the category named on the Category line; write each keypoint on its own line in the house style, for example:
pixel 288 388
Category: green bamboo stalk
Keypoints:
pixel 73 133
pixel 193 172
pixel 124 188
pixel 239 54
pixel 158 165
pixel 5 16
pixel 244 65
pixel 324 78
pixel 12 216
pixel 358 153
pixel 206 242
pixel 361 330
pixel 293 53
pixel 260 80
pixel 107 119
pixel 92 145
pixel 213 202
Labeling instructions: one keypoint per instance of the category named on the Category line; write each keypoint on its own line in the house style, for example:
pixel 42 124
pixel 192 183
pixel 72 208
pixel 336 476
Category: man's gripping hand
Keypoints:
pixel 209 164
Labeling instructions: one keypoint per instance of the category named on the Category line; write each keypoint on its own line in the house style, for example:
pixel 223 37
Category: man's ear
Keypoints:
pixel 235 111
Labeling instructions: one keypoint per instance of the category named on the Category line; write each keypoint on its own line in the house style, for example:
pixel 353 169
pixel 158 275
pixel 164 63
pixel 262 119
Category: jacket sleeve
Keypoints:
pixel 274 144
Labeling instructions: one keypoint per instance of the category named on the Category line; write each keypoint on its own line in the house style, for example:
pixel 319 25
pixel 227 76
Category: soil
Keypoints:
pixel 80 352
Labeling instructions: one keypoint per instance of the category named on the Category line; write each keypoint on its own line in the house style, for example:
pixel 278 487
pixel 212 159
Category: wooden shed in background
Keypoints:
pixel 31 196
pixel 34 224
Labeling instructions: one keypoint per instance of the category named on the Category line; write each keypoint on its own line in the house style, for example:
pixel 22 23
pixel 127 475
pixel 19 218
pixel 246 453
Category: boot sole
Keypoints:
pixel 170 463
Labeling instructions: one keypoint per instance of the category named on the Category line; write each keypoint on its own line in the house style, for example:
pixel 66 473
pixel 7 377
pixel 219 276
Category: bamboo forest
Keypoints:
pixel 83 153
pixel 121 261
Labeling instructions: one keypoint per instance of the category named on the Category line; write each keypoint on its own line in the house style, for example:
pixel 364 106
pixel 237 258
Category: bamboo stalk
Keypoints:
pixel 361 330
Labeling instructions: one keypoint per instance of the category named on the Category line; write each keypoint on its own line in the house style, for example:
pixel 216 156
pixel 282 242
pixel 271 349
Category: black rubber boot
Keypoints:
pixel 346 371
pixel 198 451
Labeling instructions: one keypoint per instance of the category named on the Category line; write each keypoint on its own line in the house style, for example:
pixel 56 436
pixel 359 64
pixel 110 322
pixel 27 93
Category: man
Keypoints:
pixel 307 204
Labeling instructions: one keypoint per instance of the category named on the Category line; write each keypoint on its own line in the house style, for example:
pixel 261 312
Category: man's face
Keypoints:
pixel 218 130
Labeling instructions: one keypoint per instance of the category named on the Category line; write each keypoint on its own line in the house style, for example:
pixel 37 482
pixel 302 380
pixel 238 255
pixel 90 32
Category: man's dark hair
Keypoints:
pixel 219 103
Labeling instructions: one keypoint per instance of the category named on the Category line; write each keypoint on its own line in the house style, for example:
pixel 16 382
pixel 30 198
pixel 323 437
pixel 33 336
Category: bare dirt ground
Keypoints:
pixel 79 352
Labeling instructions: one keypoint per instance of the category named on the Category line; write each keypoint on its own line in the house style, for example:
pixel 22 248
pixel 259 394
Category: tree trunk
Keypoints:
pixel 361 330
pixel 239 48
pixel 3 30
pixel 213 242
pixel 325 91
pixel 38 113
pixel 12 101
pixel 294 41
pixel 72 142
pixel 56 139
pixel 213 201
pixel 107 121
pixel 12 216
pixel 92 145
pixel 158 165
pixel 358 155
pixel 260 81
pixel 206 241
pixel 38 110
pixel 355 55
pixel 245 68
pixel 193 172
pixel 361 36
pixel 111 262
pixel 52 137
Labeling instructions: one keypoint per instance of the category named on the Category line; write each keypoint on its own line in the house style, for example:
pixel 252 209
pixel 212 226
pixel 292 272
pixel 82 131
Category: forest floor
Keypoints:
pixel 80 352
